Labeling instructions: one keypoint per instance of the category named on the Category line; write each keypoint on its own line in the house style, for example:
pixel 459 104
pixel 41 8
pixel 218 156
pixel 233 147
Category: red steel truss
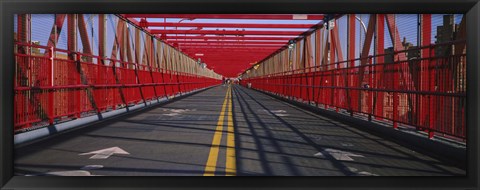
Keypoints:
pixel 426 92
pixel 230 16
pixel 53 84
pixel 306 61
pixel 196 37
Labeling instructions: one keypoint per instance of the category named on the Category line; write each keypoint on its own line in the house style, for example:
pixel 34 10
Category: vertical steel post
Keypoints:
pixel 380 69
pixel 72 47
pixel 351 56
pixel 432 88
pixel 425 40
pixel 102 37
pixel 331 67
pixel 51 92
pixel 339 93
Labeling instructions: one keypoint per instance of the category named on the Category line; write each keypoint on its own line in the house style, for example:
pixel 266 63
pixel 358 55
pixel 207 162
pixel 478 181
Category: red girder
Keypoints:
pixel 247 46
pixel 171 37
pixel 82 28
pixel 244 61
pixel 228 32
pixel 226 25
pixel 233 56
pixel 227 43
pixel 237 56
pixel 232 52
pixel 427 93
pixel 231 47
pixel 231 16
pixel 56 30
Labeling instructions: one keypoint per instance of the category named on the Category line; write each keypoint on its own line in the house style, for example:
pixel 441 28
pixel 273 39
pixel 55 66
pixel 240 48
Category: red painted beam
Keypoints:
pixel 170 37
pixel 224 66
pixel 228 51
pixel 232 45
pixel 228 32
pixel 226 25
pixel 229 47
pixel 56 30
pixel 231 16
pixel 232 56
pixel 244 61
pixel 226 43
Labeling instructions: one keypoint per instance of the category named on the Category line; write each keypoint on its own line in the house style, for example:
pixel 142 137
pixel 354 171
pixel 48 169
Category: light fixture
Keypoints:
pixel 290 46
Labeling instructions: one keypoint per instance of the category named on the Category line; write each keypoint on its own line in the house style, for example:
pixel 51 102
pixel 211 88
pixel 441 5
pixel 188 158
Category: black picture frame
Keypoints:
pixel 10 7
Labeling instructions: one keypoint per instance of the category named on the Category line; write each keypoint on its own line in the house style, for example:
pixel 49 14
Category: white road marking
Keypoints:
pixel 105 153
pixel 175 112
pixel 346 144
pixel 338 154
pixel 171 114
pixel 361 173
pixel 64 173
pixel 92 167
pixel 280 113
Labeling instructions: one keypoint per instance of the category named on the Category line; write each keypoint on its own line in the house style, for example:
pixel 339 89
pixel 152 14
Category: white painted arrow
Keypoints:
pixel 338 154
pixel 64 173
pixel 105 153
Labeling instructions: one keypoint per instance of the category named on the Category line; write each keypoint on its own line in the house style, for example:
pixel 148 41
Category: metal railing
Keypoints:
pixel 59 85
pixel 426 93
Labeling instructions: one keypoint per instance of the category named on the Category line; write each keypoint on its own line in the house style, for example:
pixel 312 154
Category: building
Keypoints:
pixel 446 33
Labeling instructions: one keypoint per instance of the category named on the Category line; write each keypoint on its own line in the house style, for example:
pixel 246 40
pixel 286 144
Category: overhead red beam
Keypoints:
pixel 228 66
pixel 228 32
pixel 229 47
pixel 226 25
pixel 233 60
pixel 241 56
pixel 237 55
pixel 223 52
pixel 221 65
pixel 228 51
pixel 225 43
pixel 231 55
pixel 231 16
pixel 244 62
pixel 229 44
pixel 169 37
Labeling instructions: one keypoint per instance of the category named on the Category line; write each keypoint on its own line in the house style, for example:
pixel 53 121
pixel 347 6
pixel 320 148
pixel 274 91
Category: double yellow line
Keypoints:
pixel 230 165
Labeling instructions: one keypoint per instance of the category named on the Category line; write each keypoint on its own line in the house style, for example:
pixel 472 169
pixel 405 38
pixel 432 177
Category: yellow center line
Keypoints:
pixel 231 165
pixel 217 137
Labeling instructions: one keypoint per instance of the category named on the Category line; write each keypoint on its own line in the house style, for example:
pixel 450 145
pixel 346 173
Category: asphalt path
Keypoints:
pixel 224 131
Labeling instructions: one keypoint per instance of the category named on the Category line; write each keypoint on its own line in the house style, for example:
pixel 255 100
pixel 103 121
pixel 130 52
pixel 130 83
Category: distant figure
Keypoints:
pixel 223 81
pixel 366 85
